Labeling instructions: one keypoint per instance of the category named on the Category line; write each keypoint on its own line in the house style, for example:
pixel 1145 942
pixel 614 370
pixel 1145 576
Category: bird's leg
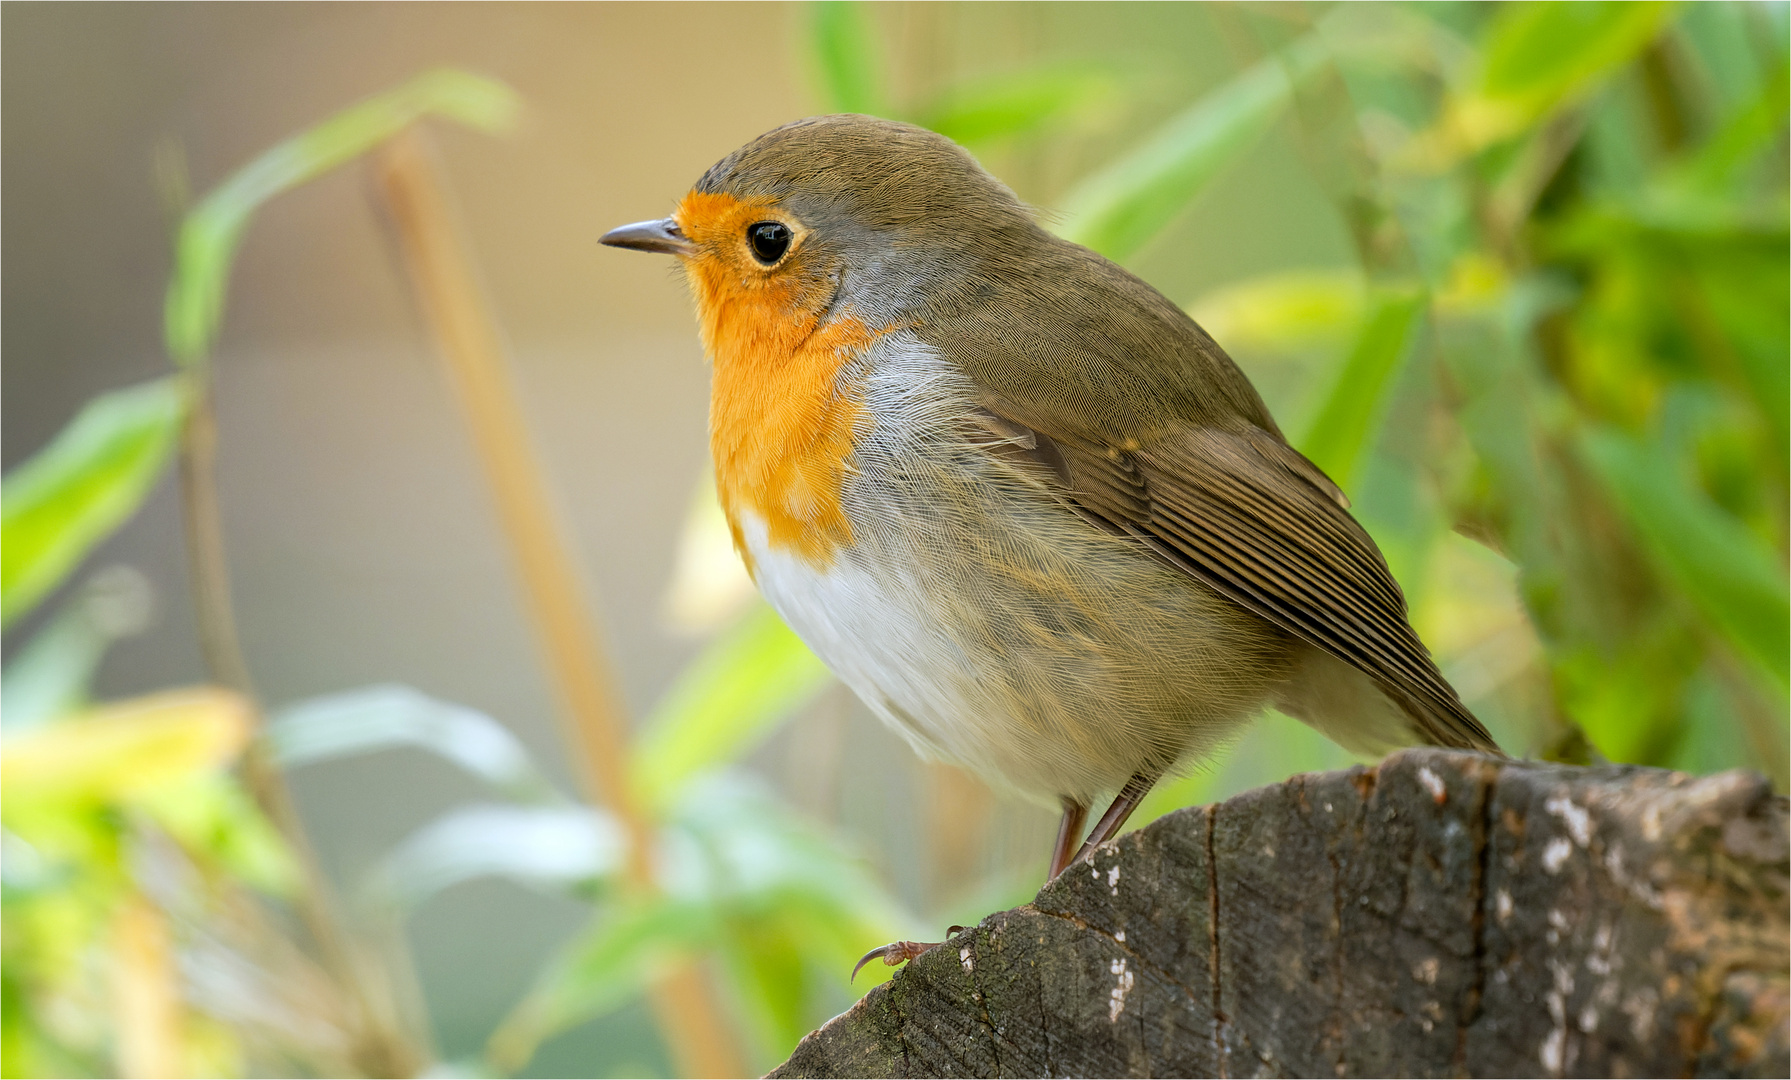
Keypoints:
pixel 900 952
pixel 1068 832
pixel 1074 813
pixel 1123 804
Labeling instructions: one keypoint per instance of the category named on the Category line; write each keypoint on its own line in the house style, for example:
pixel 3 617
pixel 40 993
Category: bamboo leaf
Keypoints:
pixel 724 703
pixel 1733 578
pixel 1351 414
pixel 765 960
pixel 1284 310
pixel 844 57
pixel 1538 57
pixel 796 908
pixel 49 676
pixel 208 237
pixel 386 717
pixel 1724 46
pixel 1543 52
pixel 739 874
pixel 1743 138
pixel 1117 210
pixel 125 750
pixel 1748 298
pixel 746 847
pixel 605 968
pixel 212 815
pixel 1016 103
pixel 75 492
pixel 1272 749
pixel 538 845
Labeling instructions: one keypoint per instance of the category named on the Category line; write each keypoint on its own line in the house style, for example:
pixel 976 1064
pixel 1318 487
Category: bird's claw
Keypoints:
pixel 896 952
pixel 900 952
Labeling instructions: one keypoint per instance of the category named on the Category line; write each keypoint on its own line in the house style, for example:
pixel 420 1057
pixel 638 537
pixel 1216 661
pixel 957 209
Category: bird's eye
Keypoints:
pixel 768 240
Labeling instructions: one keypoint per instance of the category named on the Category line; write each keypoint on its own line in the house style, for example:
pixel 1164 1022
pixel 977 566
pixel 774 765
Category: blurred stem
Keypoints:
pixel 383 1041
pixel 145 998
pixel 1506 207
pixel 1329 136
pixel 442 275
pixel 382 1046
pixel 218 642
pixel 441 271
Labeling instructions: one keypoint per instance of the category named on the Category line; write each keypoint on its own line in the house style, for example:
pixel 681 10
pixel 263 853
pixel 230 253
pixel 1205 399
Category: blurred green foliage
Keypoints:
pixel 1554 383
pixel 145 896
pixel 83 486
pixel 127 836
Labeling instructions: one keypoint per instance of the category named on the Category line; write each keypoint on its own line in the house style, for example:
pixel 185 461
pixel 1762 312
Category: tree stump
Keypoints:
pixel 1442 914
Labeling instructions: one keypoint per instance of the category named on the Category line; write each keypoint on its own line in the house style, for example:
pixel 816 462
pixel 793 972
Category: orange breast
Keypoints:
pixel 781 425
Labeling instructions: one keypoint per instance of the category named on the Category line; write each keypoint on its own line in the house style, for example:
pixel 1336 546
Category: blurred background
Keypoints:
pixel 1515 275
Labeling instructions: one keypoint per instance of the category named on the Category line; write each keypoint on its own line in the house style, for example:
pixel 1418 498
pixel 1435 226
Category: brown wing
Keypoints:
pixel 1251 517
pixel 1152 431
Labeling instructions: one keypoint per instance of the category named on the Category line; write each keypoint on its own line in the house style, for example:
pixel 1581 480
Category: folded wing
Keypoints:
pixel 1248 515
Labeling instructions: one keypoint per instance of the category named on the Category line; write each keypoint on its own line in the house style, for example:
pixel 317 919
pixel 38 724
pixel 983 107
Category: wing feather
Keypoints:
pixel 1220 507
pixel 1143 425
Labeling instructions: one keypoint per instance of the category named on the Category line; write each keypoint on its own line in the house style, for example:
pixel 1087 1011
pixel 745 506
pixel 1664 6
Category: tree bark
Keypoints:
pixel 1442 914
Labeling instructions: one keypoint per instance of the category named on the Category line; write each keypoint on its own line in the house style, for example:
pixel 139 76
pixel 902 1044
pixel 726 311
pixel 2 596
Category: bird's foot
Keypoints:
pixel 900 952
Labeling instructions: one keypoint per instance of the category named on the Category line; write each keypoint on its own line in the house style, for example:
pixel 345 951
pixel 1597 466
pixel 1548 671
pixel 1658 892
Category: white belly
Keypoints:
pixel 997 629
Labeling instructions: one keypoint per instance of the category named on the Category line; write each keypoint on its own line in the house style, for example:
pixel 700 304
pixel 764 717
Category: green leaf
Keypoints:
pixel 605 968
pixel 1724 47
pixel 1119 209
pixel 740 874
pixel 795 907
pixel 50 676
pixel 1734 579
pixel 764 958
pixel 844 57
pixel 75 492
pixel 1269 751
pixel 1015 103
pixel 1545 51
pixel 755 852
pixel 556 846
pixel 724 703
pixel 208 237
pixel 1713 737
pixel 790 899
pixel 1747 134
pixel 386 717
pixel 1748 298
pixel 212 816
pixel 125 750
pixel 1351 415
pixel 1626 696
pixel 1284 310
pixel 1537 57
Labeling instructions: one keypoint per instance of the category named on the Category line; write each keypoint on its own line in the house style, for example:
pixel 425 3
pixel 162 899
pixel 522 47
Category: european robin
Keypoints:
pixel 1012 495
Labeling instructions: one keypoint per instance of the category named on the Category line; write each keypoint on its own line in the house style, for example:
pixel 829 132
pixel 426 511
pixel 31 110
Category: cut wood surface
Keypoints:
pixel 1443 914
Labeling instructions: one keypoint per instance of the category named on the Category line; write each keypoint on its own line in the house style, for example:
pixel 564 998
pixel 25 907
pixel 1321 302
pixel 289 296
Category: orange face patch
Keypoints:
pixel 780 424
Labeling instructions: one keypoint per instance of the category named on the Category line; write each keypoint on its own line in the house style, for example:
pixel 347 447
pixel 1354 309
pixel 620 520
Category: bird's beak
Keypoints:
pixel 662 236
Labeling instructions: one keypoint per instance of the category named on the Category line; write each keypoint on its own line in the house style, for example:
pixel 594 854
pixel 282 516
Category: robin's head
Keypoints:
pixel 831 208
pixel 804 247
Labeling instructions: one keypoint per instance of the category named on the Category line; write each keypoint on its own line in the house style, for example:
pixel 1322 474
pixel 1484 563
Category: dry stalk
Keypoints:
pixel 146 999
pixel 689 1019
pixel 218 642
pixel 384 1045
